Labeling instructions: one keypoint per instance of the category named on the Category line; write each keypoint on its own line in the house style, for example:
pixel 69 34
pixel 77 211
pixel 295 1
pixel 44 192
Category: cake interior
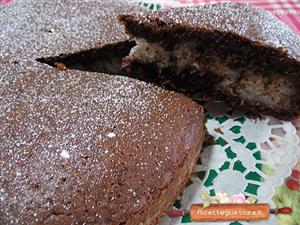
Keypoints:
pixel 208 69
pixel 203 66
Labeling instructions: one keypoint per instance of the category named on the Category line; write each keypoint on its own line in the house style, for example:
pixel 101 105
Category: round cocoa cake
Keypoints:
pixel 81 147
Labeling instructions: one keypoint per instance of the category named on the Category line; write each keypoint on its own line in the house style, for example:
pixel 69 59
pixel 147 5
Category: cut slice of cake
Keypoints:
pixel 230 52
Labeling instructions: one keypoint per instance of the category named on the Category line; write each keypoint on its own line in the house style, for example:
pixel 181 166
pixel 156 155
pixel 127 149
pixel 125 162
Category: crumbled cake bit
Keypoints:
pixel 229 52
pixel 60 66
pixel 218 130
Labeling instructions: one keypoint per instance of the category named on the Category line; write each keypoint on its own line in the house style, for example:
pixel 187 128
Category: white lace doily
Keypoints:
pixel 250 157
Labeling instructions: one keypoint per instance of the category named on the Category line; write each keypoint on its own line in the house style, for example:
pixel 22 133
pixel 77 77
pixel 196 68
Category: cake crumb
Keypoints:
pixel 218 130
pixel 60 66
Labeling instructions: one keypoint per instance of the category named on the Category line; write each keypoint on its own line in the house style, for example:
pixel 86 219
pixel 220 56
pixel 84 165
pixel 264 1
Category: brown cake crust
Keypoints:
pixel 80 147
pixel 243 38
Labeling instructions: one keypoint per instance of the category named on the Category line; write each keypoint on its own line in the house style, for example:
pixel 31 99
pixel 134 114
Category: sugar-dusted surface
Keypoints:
pixel 39 28
pixel 85 147
pixel 245 20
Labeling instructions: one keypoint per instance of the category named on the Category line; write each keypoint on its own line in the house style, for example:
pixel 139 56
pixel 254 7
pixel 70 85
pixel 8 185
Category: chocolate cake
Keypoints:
pixel 229 52
pixel 82 147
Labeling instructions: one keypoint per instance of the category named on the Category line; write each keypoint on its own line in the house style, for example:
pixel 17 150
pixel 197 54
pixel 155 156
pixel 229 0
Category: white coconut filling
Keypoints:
pixel 181 56
pixel 150 53
pixel 252 87
pixel 268 91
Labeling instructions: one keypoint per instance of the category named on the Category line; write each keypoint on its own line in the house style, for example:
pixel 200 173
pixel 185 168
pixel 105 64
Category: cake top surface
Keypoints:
pixel 79 146
pixel 33 29
pixel 245 20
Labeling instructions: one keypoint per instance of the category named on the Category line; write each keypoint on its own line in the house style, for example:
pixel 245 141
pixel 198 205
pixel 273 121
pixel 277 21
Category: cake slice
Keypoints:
pixel 229 52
